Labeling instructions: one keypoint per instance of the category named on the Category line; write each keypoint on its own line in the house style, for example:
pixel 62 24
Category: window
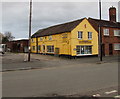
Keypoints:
pixel 32 40
pixel 116 46
pixel 106 32
pixel 50 49
pixel 45 37
pixel 80 33
pixel 116 32
pixel 41 38
pixel 50 37
pixel 39 48
pixel 33 48
pixel 89 35
pixel 84 50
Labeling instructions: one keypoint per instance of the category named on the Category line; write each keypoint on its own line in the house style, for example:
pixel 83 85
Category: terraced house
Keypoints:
pixel 78 38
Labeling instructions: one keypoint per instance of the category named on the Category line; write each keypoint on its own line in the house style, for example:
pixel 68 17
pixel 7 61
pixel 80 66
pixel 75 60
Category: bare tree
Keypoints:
pixel 7 37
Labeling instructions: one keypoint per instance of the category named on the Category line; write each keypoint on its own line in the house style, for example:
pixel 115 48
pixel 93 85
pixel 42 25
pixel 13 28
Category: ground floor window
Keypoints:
pixel 33 48
pixel 84 49
pixel 116 46
pixel 50 49
pixel 39 48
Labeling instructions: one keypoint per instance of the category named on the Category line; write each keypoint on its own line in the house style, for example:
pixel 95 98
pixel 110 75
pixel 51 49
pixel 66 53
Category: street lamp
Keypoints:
pixel 30 17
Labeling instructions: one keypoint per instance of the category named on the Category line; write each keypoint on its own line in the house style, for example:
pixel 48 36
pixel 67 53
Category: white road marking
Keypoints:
pixel 110 92
pixel 117 97
pixel 97 95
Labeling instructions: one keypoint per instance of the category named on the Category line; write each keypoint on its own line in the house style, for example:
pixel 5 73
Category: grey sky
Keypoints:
pixel 15 14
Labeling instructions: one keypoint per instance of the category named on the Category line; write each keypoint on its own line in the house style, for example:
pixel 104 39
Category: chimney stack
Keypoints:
pixel 112 14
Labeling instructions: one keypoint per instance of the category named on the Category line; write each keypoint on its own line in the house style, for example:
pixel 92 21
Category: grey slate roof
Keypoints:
pixel 57 29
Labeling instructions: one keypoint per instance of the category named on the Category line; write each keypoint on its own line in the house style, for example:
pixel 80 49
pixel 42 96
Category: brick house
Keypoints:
pixel 18 45
pixel 110 33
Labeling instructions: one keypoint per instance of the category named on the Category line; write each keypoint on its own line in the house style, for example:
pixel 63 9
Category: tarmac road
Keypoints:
pixel 74 79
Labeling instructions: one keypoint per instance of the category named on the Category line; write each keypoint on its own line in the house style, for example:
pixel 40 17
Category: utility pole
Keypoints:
pixel 30 17
pixel 100 33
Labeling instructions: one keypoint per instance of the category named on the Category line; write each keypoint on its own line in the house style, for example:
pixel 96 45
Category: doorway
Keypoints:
pixel 110 49
pixel 43 48
pixel 103 49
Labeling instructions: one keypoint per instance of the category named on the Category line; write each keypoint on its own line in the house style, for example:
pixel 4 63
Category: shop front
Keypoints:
pixel 83 50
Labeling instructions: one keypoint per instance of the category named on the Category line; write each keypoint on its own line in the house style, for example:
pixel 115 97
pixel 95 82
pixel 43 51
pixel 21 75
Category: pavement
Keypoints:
pixel 15 61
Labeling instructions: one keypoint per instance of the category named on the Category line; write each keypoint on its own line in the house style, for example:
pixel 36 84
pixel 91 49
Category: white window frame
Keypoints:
pixel 39 47
pixel 89 35
pixel 116 32
pixel 41 38
pixel 84 47
pixel 50 37
pixel 52 49
pixel 80 34
pixel 116 46
pixel 106 32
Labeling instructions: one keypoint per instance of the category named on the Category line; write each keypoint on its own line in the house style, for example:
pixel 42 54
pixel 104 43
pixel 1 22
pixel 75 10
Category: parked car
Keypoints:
pixel 2 48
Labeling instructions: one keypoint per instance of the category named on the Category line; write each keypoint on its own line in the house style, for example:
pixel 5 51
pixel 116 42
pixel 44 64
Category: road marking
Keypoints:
pixel 110 92
pixel 96 95
pixel 117 97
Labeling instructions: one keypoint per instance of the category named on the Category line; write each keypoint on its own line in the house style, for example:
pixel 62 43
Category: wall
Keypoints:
pixel 86 27
pixel 61 41
pixel 111 39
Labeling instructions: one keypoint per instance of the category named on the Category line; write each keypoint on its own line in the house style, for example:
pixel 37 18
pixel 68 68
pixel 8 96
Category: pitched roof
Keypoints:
pixel 104 23
pixel 57 29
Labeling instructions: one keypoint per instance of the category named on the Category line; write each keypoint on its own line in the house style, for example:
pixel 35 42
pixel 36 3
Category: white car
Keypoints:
pixel 2 48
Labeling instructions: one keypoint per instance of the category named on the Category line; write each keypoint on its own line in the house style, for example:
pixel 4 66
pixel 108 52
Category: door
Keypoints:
pixel 103 49
pixel 43 48
pixel 110 49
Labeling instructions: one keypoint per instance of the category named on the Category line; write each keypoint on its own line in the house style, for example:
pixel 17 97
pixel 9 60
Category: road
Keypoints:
pixel 82 79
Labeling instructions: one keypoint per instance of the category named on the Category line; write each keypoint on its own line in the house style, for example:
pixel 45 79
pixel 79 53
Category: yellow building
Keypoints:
pixel 76 38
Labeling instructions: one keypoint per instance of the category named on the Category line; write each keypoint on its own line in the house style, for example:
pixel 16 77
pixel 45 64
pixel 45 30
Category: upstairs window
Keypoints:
pixel 89 35
pixel 32 40
pixel 50 37
pixel 116 46
pixel 80 33
pixel 116 32
pixel 106 32
pixel 41 38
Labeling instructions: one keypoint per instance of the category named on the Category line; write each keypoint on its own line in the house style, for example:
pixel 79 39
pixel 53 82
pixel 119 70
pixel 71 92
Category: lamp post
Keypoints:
pixel 100 33
pixel 30 21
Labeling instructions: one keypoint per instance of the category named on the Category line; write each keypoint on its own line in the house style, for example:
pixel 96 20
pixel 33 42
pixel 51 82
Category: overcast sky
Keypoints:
pixel 15 14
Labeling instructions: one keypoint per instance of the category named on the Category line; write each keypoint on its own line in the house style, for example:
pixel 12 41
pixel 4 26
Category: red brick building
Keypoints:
pixel 18 45
pixel 110 33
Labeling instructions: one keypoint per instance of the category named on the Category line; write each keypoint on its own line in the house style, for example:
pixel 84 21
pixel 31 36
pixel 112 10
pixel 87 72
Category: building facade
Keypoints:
pixel 75 38
pixel 79 38
pixel 19 46
pixel 110 33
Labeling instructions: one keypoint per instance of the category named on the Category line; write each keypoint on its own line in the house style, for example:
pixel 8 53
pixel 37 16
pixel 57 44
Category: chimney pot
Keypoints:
pixel 112 14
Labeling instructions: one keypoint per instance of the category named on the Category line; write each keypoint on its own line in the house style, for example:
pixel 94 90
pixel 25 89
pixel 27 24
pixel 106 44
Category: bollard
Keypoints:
pixel 25 57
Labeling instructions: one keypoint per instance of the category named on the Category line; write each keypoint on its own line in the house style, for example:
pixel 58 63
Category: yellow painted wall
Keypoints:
pixel 57 40
pixel 67 45
pixel 33 43
pixel 86 27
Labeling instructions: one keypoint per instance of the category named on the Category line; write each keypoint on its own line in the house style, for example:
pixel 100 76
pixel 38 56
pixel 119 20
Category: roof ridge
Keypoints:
pixel 102 20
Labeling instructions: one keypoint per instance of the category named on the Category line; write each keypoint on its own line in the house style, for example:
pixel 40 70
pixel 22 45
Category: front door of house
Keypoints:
pixel 110 49
pixel 103 49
